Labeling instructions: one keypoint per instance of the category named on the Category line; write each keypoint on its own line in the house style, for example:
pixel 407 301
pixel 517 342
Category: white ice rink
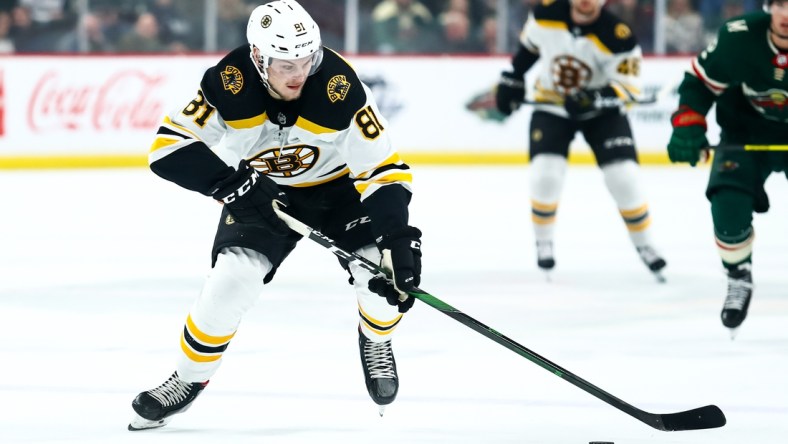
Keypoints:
pixel 98 269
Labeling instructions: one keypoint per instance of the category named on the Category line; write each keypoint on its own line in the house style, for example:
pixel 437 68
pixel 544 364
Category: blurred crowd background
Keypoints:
pixel 351 26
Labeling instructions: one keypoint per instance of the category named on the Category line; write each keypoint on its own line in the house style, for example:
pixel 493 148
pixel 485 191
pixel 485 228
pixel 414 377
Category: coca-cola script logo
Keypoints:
pixel 125 100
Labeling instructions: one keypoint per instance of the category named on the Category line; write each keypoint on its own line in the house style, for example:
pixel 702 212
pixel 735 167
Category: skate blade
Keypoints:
pixel 139 423
pixel 381 410
pixel 733 331
pixel 660 278
pixel 548 276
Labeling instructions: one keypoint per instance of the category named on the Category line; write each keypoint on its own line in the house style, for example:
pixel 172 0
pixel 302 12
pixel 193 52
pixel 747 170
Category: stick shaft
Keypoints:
pixel 700 418
pixel 748 147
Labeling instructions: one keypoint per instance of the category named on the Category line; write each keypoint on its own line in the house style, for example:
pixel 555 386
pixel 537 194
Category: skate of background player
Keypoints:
pixel 101 282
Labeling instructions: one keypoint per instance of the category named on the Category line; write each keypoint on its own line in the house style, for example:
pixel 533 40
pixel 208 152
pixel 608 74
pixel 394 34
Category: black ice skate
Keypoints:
pixel 544 255
pixel 155 407
pixel 738 299
pixel 653 261
pixel 380 370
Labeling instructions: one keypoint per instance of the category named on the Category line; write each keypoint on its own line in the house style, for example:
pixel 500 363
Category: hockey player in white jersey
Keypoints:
pixel 304 130
pixel 588 74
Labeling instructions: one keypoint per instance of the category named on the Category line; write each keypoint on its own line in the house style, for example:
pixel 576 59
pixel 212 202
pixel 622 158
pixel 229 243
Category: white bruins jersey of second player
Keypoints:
pixel 332 130
pixel 573 57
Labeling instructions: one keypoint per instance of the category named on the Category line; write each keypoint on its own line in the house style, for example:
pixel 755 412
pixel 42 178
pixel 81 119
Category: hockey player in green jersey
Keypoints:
pixel 744 72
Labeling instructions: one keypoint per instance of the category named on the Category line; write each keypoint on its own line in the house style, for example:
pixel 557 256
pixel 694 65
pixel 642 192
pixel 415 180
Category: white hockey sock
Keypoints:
pixel 622 181
pixel 377 318
pixel 546 182
pixel 735 253
pixel 233 286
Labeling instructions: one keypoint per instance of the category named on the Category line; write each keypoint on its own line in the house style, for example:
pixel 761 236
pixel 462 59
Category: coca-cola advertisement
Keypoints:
pixel 105 110
pixel 90 105
pixel 125 100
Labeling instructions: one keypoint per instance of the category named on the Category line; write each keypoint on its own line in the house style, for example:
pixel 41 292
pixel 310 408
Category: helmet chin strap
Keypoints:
pixel 273 92
pixel 263 74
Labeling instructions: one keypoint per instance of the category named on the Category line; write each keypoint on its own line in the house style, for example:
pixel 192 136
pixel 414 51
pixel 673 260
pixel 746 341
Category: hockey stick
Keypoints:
pixel 707 417
pixel 745 147
pixel 610 103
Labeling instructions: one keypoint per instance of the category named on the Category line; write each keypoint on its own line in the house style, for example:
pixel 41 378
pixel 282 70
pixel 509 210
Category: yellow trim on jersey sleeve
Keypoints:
pixel 552 24
pixel 168 121
pixel 598 43
pixel 387 179
pixel 392 160
pixel 163 142
pixel 251 122
pixel 313 127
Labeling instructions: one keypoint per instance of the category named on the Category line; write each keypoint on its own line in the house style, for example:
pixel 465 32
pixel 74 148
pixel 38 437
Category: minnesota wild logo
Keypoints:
pixel 772 103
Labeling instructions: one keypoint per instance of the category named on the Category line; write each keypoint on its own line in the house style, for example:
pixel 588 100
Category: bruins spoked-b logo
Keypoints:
pixel 337 88
pixel 232 79
pixel 292 161
pixel 266 21
pixel 569 74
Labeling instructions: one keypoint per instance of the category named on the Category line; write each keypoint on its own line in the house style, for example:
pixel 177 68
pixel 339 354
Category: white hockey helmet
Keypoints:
pixel 282 29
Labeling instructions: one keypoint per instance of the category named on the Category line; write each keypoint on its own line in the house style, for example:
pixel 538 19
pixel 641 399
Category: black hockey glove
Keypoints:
pixel 402 256
pixel 248 196
pixel 587 103
pixel 383 287
pixel 509 93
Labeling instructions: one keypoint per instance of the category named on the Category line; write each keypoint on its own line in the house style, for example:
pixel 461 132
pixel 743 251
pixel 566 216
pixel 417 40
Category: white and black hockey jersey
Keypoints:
pixel 574 57
pixel 333 130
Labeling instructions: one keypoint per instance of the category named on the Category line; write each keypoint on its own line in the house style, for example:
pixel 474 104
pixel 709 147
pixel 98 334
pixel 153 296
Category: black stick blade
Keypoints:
pixel 708 417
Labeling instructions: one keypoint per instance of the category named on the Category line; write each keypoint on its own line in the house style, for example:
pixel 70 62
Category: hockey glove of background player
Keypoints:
pixel 587 103
pixel 509 93
pixel 402 256
pixel 688 137
pixel 248 196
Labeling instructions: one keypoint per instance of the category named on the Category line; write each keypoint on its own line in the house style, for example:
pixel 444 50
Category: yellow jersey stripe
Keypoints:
pixel 312 127
pixel 251 122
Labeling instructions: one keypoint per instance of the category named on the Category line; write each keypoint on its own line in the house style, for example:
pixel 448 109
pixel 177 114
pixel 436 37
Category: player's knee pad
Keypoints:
pixel 377 318
pixel 547 174
pixel 731 211
pixel 623 182
pixel 233 286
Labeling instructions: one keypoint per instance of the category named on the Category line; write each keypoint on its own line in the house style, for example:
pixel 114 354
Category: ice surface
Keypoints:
pixel 99 268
